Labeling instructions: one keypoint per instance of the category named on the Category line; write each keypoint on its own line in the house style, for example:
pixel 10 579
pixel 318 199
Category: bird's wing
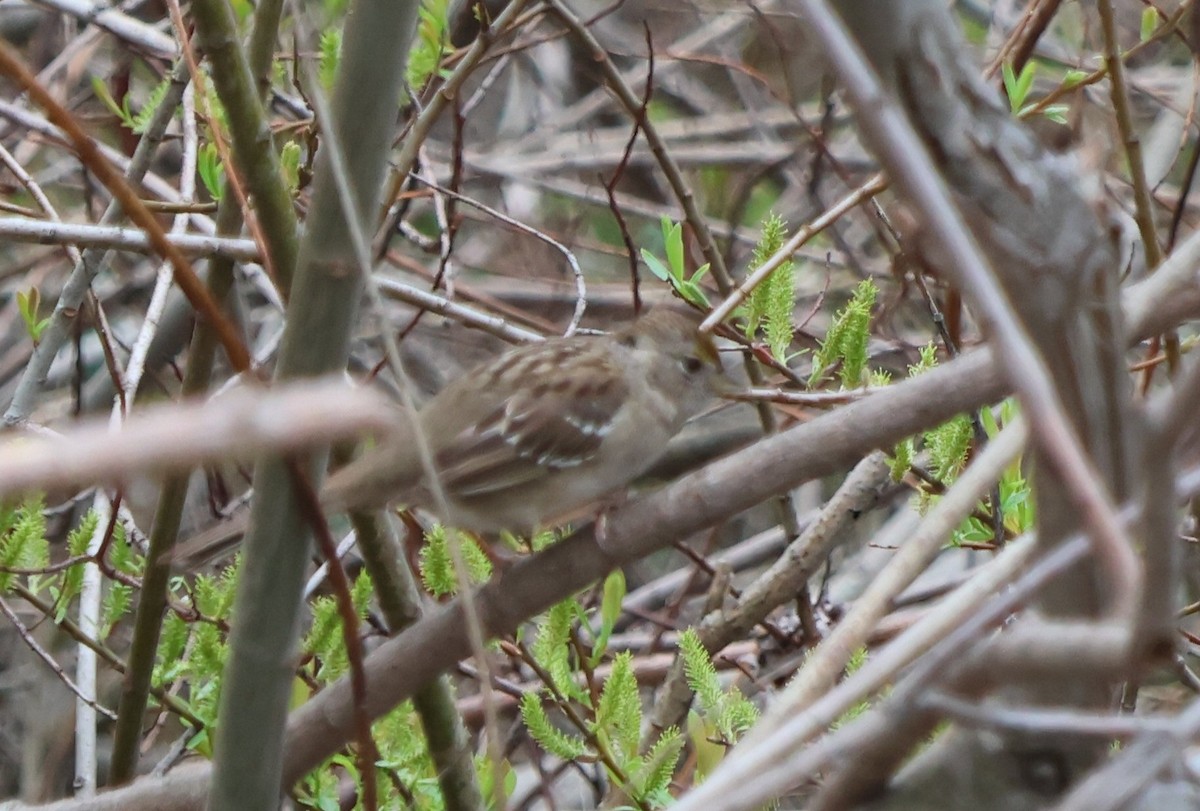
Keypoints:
pixel 537 432
pixel 192 554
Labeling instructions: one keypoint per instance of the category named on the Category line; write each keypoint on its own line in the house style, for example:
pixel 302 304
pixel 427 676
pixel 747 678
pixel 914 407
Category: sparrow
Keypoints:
pixel 537 434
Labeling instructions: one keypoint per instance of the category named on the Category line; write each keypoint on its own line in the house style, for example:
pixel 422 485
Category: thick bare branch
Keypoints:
pixel 243 424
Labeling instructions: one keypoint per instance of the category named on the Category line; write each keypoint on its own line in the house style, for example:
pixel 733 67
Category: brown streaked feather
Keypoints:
pixel 560 425
pixel 541 433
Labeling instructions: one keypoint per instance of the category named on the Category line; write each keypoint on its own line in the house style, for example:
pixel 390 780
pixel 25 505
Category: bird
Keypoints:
pixel 538 434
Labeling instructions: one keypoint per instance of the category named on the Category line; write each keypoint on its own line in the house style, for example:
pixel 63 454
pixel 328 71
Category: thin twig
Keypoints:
pixel 420 128
pixel 831 215
pixel 192 287
pixel 136 33
pixel 568 254
pixel 51 662
pixel 111 237
pixel 1143 202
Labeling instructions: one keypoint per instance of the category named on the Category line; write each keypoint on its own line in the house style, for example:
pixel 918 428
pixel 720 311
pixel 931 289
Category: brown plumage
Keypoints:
pixel 542 429
pixel 535 434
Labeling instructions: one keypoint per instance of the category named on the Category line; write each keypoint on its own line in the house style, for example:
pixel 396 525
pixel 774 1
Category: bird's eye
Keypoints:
pixel 691 365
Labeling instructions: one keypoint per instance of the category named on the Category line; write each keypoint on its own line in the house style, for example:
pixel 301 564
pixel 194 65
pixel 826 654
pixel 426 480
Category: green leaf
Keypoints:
pixel 122 556
pixel 926 360
pixel 1010 84
pixel 28 304
pixel 121 111
pixel 728 711
pixel 545 539
pixel 479 565
pixel 738 714
pixel 1056 113
pixel 658 766
pixel 902 459
pixel 610 612
pixel 437 566
pixel 101 91
pixel 321 790
pixel 117 600
pixel 242 9
pixel 330 48
pixel 486 768
pixel 1149 23
pixel 673 271
pixel 858 323
pixel 227 592
pixel 1025 83
pixel 987 417
pixel 673 245
pixel 324 640
pixel 289 162
pixel 847 339
pixel 549 737
pixel 77 544
pixel 1073 77
pixel 141 121
pixel 666 224
pixel 431 42
pixel 361 593
pixel 206 593
pixel 552 646
pixel 172 645
pixel 856 661
pixel 655 265
pixel 206 658
pixel 1017 87
pixel 80 537
pixel 210 170
pixel 24 545
pixel 692 292
pixel 619 712
pixel 208 92
pixel 948 445
pixel 698 667
pixel 771 302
